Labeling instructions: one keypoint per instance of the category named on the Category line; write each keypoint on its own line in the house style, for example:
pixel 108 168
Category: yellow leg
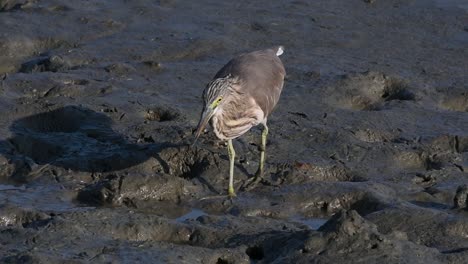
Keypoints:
pixel 252 182
pixel 261 165
pixel 232 155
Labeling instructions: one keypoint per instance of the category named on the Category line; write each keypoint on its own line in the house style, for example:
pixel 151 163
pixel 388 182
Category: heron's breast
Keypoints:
pixel 229 123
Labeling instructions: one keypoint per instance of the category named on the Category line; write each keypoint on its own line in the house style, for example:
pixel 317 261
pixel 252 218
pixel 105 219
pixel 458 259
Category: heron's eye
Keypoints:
pixel 216 102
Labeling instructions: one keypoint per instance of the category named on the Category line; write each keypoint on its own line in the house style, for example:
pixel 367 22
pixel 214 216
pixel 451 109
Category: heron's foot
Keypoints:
pixel 251 183
pixel 225 200
pixel 223 197
pixel 231 192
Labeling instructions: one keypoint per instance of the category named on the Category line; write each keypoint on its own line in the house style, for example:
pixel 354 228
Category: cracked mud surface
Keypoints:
pixel 367 156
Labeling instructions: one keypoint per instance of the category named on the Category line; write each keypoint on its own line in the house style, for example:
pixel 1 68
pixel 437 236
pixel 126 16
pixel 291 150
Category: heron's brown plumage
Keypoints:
pixel 254 82
pixel 260 74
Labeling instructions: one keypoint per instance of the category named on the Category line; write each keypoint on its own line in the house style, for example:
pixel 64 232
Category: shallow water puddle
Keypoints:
pixel 6 187
pixel 43 198
pixel 192 215
pixel 463 4
pixel 312 223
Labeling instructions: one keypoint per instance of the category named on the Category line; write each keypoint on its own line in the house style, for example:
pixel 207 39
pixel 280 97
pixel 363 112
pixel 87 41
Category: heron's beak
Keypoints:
pixel 206 116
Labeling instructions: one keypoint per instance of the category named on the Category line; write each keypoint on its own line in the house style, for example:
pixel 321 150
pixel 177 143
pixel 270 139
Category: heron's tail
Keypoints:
pixel 280 51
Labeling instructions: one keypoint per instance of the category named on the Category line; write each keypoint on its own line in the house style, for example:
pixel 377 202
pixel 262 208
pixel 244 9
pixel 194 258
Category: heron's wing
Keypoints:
pixel 261 75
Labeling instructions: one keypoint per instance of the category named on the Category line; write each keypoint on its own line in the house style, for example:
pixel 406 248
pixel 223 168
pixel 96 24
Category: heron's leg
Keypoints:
pixel 232 155
pixel 262 148
pixel 252 182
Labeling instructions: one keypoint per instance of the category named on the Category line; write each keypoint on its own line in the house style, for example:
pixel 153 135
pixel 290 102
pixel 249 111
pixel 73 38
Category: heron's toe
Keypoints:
pixel 231 193
pixel 251 183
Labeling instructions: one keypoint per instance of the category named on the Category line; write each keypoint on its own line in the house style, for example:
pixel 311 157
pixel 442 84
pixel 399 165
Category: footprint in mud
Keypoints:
pixel 162 114
pixel 74 138
pixel 369 91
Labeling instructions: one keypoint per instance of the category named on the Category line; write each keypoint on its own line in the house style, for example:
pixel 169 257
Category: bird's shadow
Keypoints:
pixel 74 138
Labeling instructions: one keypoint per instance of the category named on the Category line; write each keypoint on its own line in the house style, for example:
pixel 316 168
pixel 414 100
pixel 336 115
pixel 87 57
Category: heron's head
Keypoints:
pixel 214 96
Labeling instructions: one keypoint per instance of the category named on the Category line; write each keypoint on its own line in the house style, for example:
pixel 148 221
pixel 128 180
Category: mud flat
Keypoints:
pixel 367 160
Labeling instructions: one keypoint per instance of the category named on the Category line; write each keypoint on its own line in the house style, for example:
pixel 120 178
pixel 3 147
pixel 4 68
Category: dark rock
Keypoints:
pixel 44 64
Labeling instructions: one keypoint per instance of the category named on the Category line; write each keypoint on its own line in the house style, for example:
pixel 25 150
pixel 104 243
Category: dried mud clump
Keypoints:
pixel 133 190
pixel 120 69
pixel 373 136
pixel 101 193
pixel 9 5
pixel 26 218
pixel 417 160
pixel 349 236
pixel 456 102
pixel 448 144
pixel 156 66
pixel 15 169
pixel 317 171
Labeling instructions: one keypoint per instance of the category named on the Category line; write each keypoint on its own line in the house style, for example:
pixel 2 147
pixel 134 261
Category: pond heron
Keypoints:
pixel 242 95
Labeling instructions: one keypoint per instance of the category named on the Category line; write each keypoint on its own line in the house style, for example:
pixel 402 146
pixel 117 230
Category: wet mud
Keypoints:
pixel 367 156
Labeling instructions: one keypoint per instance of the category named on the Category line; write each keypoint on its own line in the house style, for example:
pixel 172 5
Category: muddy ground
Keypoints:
pixel 367 155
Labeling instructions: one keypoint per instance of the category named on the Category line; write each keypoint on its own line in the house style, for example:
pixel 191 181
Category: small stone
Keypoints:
pixel 461 197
